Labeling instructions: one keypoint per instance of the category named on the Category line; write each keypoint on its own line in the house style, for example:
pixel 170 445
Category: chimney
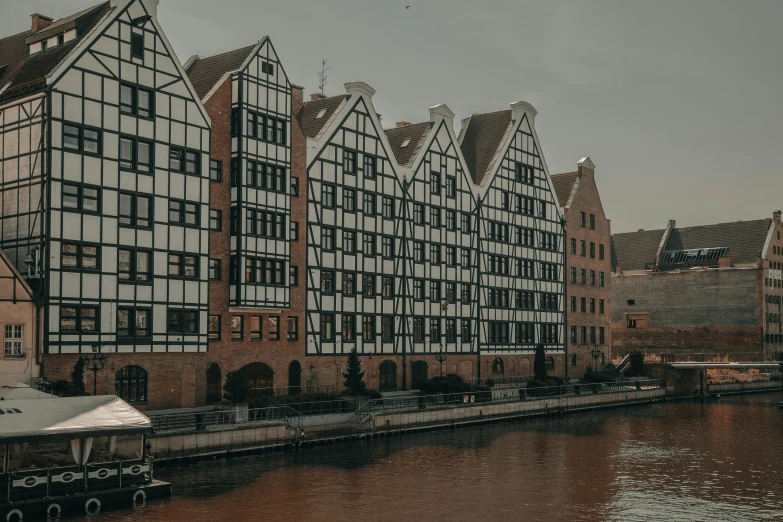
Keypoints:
pixel 776 216
pixel 725 262
pixel 297 99
pixel 40 21
pixel 403 124
pixel 317 96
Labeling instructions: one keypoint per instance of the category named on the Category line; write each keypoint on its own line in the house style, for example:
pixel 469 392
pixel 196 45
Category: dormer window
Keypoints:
pixel 405 143
pixel 60 39
pixel 44 45
pixel 320 114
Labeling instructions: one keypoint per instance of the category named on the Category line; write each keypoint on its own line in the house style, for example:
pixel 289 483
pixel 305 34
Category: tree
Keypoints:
pixel 77 377
pixel 539 363
pixel 237 387
pixel 637 363
pixel 354 376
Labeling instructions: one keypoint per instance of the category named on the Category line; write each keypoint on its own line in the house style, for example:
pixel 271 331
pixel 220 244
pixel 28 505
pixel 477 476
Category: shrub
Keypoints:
pixel 591 376
pixel 539 363
pixel 354 376
pixel 450 383
pixel 61 388
pixel 636 364
pixel 490 383
pixel 237 387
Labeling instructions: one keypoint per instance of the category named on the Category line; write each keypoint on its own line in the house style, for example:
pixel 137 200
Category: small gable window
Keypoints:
pixel 405 143
pixel 320 114
pixel 137 45
pixel 267 68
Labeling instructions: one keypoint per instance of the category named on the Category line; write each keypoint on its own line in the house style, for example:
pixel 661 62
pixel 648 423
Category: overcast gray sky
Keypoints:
pixel 678 103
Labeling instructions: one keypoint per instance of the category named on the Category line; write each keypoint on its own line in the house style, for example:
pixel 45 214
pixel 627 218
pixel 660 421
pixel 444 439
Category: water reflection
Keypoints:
pixel 678 461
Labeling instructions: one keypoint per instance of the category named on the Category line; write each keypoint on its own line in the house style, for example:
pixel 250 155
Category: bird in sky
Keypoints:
pixel 407 7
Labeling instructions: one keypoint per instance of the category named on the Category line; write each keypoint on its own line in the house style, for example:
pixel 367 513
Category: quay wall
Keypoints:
pixel 743 387
pixel 193 444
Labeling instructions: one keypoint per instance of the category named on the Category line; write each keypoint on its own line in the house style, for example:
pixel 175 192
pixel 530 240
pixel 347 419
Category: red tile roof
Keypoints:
pixel 311 125
pixel 204 73
pixel 416 133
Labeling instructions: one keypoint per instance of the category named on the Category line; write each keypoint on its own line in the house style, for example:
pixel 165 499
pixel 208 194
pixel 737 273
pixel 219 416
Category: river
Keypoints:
pixel 716 461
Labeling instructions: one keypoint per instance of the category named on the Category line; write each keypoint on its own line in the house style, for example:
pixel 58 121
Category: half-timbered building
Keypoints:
pixel 105 194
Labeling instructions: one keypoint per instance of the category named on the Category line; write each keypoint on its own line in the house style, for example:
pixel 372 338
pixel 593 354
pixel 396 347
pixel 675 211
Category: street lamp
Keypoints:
pixel 596 353
pixel 440 357
pixel 98 361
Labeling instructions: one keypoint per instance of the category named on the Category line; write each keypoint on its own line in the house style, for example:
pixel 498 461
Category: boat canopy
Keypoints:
pixel 29 420
pixel 21 390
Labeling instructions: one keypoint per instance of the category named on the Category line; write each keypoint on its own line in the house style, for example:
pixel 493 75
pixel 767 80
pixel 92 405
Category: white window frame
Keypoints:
pixel 13 344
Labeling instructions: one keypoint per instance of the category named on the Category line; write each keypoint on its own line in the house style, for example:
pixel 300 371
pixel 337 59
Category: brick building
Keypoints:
pixel 588 266
pixel 700 293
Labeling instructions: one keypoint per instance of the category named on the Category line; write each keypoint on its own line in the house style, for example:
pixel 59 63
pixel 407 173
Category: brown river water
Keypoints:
pixel 721 460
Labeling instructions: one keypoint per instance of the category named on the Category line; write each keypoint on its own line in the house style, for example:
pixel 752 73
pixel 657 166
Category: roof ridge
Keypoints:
pixel 488 113
pixel 407 126
pixel 15 35
pixel 227 52
pixel 725 223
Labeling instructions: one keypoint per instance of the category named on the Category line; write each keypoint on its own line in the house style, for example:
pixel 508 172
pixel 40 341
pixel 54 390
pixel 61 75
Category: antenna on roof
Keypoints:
pixel 322 75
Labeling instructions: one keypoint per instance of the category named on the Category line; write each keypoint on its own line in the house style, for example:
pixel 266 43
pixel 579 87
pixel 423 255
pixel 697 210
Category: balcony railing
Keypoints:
pixel 40 483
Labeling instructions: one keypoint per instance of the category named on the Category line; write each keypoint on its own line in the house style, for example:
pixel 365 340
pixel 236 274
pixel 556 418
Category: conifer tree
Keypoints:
pixel 539 363
pixel 77 377
pixel 354 376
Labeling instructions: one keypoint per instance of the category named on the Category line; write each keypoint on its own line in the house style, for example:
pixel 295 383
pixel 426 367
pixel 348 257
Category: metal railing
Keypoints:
pixel 421 402
pixel 501 382
pixel 40 483
pixel 295 390
pixel 739 377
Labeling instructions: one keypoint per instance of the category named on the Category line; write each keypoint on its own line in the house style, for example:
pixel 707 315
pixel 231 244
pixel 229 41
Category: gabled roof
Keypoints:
pixel 204 73
pixel 564 185
pixel 415 133
pixel 27 74
pixel 633 250
pixel 481 139
pixel 311 125
pixel 744 239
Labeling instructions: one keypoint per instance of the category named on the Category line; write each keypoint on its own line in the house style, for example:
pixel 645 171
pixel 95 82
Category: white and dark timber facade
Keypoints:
pixel 196 219
pixel 105 194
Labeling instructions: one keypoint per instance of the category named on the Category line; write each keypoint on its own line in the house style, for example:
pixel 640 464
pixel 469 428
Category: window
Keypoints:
pixel 592 221
pixel 368 329
pixel 82 138
pixel 327 195
pixel 387 287
pixel 592 305
pixel 267 68
pixel 418 330
pixel 451 292
pixel 78 318
pixel 183 265
pixel 215 219
pixel 497 332
pixel 451 256
pixel 465 254
pixel 387 329
pixel 368 285
pixel 572 247
pixel 349 200
pixel 434 290
pixel 327 281
pixel 451 220
pixel 13 340
pixel 631 302
pixel 583 334
pixel 592 277
pixel 135 210
pixel 369 244
pixel 573 274
pixel 631 323
pixel 435 183
pixel 573 303
pixel 370 164
pixel 592 250
pixel 388 247
pixel 349 328
pixel 274 328
pixel 137 45
pixel 215 170
pixel 293 232
pixel 327 327
pixel 81 197
pixel 504 201
pixel 135 154
pixel 293 276
pixel 524 173
pixel 573 335
pixel 134 266
pixel 293 328
pixel 184 160
pixel 183 213
pixel 418 252
pixel 582 218
pixel 418 289
pixel 79 256
pixel 135 100
pixel 388 207
pixel 550 362
pixel 542 210
pixel 435 334
pixel 435 217
pixel 213 327
pixel 465 331
pixel 349 161
pixel 349 241
pixel 601 335
pixel 418 213
pixel 237 330
pixel 465 293
pixel 214 269
pixel 465 223
pixel 294 186
pixel 327 239
pixel 600 279
pixel 451 330
pixel 133 322
pixel 548 241
pixel 583 276
pixel 451 187
pixel 600 252
pixel 600 306
pixel 435 254
pixel 255 328
pixel 369 204
pixel 349 283
pixel 583 305
pixel 130 384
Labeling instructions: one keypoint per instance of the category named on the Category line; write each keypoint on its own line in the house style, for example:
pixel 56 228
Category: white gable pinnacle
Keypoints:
pixel 442 112
pixel 359 88
pixel 587 163
pixel 151 6
pixel 518 109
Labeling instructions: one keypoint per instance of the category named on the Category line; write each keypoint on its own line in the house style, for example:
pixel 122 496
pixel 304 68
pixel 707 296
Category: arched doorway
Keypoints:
pixel 388 376
pixel 418 373
pixel 214 383
pixel 294 378
pixel 260 377
pixel 497 366
pixel 130 384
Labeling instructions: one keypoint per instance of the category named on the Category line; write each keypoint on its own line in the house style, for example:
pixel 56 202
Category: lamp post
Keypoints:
pixel 596 353
pixel 440 357
pixel 98 361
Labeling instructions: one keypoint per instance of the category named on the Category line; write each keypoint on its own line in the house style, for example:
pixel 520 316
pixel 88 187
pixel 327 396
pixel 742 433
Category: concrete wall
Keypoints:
pixel 179 445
